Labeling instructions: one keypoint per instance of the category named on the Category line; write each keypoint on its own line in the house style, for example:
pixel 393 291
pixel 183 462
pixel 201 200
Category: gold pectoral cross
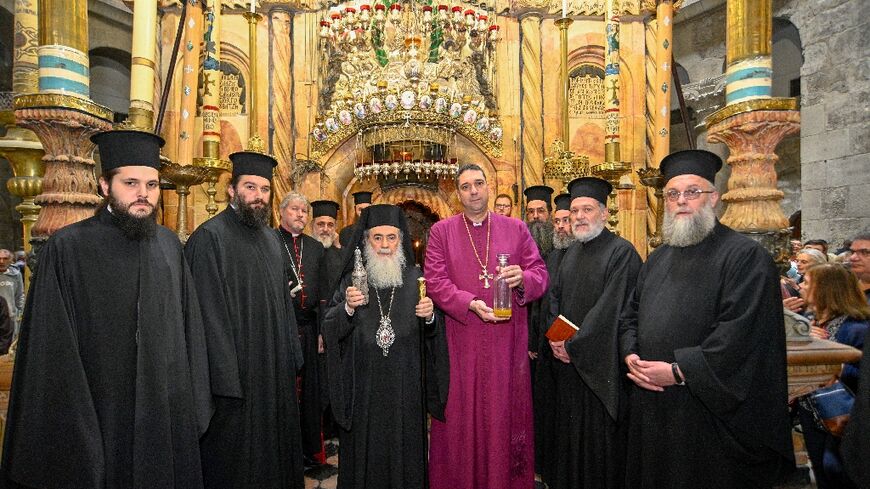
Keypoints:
pixel 485 277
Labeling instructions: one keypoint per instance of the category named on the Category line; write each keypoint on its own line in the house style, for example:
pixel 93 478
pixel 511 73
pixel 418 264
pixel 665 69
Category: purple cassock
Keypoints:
pixel 487 439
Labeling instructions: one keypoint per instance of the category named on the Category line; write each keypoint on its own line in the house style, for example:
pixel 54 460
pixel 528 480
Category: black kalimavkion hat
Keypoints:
pixel 362 197
pixel 593 187
pixel 324 208
pixel 563 202
pixel 691 162
pixel 128 148
pixel 253 163
pixel 539 192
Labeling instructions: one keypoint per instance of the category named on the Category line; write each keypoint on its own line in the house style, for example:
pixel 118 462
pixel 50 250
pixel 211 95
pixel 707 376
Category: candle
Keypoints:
pixel 253 6
pixel 564 8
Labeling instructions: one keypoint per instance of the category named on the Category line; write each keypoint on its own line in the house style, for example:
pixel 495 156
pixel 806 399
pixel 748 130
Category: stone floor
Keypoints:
pixel 326 476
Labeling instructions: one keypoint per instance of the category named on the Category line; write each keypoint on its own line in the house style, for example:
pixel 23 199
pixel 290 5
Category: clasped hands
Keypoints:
pixel 354 298
pixel 650 375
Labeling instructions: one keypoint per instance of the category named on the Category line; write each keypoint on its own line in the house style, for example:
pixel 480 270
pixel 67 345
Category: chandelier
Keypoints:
pixel 407 71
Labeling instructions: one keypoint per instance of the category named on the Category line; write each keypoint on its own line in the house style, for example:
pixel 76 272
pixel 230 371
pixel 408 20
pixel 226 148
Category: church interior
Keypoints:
pixel 392 96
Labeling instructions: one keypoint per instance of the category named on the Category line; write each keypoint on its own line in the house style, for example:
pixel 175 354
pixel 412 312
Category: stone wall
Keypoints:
pixel 825 172
pixel 835 127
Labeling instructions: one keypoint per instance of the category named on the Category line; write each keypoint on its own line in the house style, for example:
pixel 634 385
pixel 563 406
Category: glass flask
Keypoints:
pixel 501 304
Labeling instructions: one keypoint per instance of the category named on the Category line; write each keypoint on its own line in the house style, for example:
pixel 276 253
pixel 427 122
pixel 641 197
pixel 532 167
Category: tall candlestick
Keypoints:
pixel 253 6
pixel 211 82
pixel 142 65
pixel 564 8
pixel 563 24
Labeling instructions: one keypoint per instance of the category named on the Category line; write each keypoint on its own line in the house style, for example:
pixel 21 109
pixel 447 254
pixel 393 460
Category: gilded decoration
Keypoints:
pixel 398 68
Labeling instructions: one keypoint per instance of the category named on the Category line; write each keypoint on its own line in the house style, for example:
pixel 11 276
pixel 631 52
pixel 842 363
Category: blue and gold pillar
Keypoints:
pixel 749 66
pixel 63 47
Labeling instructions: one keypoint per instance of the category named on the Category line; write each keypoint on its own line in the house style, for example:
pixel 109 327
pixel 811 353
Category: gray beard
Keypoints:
pixel 593 232
pixel 384 272
pixel 681 233
pixel 327 242
pixel 542 233
pixel 562 241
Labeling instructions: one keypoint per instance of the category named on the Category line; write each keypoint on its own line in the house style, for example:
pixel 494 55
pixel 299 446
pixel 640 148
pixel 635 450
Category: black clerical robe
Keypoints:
pixel 542 380
pixel 111 386
pixel 254 437
pixel 345 235
pixel 856 441
pixel 587 401
pixel 304 258
pixel 377 399
pixel 714 308
pixel 7 330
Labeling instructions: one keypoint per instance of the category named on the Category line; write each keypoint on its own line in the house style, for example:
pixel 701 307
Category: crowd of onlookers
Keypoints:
pixel 831 289
pixel 11 295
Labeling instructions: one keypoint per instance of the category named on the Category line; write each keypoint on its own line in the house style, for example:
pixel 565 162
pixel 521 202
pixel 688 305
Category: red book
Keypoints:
pixel 561 329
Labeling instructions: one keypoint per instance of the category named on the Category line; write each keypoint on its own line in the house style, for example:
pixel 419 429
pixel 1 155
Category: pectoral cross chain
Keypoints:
pixel 485 277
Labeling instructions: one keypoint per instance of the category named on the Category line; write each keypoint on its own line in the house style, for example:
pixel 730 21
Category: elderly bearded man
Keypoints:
pixel 703 340
pixel 253 441
pixel 111 385
pixel 589 393
pixel 374 351
pixel 487 439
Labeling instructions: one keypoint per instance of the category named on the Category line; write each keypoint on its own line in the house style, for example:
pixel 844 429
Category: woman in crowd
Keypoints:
pixel 841 315
pixel 791 296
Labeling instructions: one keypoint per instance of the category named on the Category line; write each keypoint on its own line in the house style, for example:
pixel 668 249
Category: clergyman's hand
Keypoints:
pixel 513 274
pixel 424 308
pixel 320 348
pixel 559 351
pixel 484 312
pixel 658 373
pixel 637 376
pixel 353 297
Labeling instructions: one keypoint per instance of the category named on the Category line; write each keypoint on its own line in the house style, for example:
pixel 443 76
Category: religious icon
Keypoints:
pixel 331 125
pixel 345 117
pixel 470 116
pixel 440 105
pixel 360 110
pixel 425 102
pixel 455 110
pixel 495 134
pixel 376 105
pixel 391 101
pixel 482 124
pixel 408 99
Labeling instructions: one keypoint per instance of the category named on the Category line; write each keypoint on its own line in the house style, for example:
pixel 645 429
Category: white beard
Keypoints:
pixel 562 241
pixel 328 241
pixel 594 231
pixel 384 271
pixel 690 231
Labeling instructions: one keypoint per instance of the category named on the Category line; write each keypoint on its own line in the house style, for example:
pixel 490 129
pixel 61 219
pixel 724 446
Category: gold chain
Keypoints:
pixel 476 255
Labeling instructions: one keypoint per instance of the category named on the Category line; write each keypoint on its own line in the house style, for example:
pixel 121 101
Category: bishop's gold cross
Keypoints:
pixel 485 277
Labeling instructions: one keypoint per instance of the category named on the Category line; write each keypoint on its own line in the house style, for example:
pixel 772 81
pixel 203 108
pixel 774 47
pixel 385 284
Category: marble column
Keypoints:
pixel 531 79
pixel 63 118
pixel 752 124
pixel 281 85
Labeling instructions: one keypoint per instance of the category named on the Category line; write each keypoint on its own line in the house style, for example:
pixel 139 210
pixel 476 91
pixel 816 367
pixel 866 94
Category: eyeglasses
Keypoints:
pixel 863 253
pixel 503 206
pixel 691 194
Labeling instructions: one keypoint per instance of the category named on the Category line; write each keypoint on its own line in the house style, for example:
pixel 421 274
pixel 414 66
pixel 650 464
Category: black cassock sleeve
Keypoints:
pixel 203 254
pixel 53 434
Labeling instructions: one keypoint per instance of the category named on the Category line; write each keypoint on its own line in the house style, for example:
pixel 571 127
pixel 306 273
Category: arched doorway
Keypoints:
pixel 420 220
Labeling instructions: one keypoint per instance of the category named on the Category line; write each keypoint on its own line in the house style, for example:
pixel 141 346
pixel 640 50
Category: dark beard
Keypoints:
pixel 542 233
pixel 253 218
pixel 134 228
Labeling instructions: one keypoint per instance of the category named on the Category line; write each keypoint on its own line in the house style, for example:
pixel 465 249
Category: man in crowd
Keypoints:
pixel 11 287
pixel 859 261
pixel 304 259
pixel 703 340
pixel 254 438
pixel 487 439
pixel 325 213
pixel 503 205
pixel 20 260
pixel 111 385
pixel 538 209
pixel 374 351
pixel 361 200
pixel 589 393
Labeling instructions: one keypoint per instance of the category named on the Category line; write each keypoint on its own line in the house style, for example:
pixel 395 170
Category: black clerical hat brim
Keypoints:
pixel 539 192
pixel 363 197
pixel 563 202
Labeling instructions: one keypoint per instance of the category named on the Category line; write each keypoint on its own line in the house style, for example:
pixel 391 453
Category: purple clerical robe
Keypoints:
pixel 486 441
